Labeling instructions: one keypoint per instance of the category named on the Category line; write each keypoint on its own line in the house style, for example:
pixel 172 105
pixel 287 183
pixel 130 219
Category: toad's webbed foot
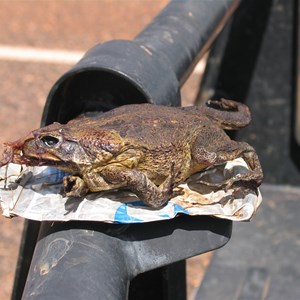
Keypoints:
pixel 74 186
pixel 251 180
pixel 254 177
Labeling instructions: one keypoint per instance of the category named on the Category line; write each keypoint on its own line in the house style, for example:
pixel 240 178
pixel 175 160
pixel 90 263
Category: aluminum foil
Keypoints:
pixel 36 193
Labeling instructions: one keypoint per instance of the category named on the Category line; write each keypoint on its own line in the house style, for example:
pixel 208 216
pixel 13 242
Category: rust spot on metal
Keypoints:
pixel 146 49
pixel 54 252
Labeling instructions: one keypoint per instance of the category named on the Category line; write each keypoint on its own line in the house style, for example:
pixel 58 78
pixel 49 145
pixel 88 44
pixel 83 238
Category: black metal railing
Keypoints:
pixel 90 260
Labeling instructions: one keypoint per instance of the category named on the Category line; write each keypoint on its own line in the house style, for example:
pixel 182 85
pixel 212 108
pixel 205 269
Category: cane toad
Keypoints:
pixel 146 148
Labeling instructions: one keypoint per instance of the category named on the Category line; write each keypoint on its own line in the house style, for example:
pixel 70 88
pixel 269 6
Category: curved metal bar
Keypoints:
pixel 92 260
pixel 87 260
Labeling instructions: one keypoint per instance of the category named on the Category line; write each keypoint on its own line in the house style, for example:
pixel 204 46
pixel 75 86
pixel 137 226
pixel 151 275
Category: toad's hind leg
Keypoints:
pixel 152 195
pixel 216 154
pixel 235 150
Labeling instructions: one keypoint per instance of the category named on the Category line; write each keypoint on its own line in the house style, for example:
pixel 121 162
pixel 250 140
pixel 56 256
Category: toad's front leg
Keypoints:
pixel 117 176
pixel 74 186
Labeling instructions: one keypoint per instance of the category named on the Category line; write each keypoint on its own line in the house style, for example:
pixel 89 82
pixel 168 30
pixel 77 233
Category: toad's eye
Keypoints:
pixel 49 140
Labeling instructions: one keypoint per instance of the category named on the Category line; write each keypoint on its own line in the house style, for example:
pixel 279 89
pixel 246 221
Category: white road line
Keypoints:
pixel 54 56
pixel 200 67
pixel 29 54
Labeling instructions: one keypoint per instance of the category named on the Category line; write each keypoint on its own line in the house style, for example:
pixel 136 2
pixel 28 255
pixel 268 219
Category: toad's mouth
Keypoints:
pixel 19 156
pixel 46 159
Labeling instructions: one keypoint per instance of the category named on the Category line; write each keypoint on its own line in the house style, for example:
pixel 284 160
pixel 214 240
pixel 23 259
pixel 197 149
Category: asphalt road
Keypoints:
pixel 28 29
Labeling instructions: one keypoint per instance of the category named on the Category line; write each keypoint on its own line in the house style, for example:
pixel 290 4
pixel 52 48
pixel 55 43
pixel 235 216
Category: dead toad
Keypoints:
pixel 146 148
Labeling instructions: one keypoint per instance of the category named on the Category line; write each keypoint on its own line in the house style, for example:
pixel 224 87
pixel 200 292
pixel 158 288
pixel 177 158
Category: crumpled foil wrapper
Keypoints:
pixel 35 193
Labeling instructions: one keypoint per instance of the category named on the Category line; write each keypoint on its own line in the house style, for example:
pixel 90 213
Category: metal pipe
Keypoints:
pixel 184 31
pixel 93 260
pixel 149 69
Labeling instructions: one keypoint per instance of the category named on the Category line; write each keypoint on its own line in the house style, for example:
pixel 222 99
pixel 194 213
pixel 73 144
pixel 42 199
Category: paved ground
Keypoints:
pixel 261 259
pixel 62 25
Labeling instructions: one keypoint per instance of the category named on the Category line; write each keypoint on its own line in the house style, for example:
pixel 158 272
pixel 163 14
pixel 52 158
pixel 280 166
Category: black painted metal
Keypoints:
pixel 147 69
pixel 167 282
pixel 86 260
pixel 258 66
pixel 184 31
pixel 27 246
